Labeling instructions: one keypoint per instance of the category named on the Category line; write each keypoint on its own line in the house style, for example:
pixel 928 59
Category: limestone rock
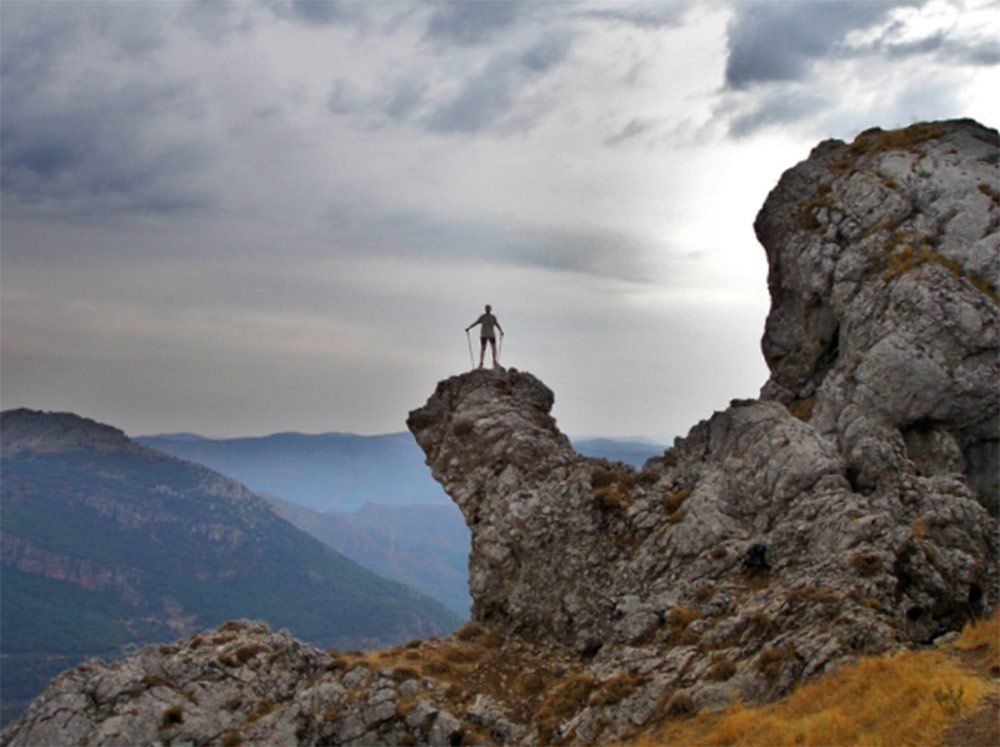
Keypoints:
pixel 863 471
pixel 842 513
pixel 884 258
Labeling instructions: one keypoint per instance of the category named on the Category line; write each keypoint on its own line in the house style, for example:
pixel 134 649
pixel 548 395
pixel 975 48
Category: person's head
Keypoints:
pixel 488 308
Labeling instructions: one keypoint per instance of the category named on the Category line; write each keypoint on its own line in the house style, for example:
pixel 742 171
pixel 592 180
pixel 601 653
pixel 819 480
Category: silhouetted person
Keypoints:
pixel 486 324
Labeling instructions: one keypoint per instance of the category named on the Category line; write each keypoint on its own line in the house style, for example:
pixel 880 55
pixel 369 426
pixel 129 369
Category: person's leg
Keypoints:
pixel 493 347
pixel 482 351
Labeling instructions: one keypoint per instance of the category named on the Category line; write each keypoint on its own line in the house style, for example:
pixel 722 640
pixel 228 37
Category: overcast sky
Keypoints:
pixel 242 218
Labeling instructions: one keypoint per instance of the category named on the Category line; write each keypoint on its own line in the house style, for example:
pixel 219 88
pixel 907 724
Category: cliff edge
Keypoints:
pixel 850 509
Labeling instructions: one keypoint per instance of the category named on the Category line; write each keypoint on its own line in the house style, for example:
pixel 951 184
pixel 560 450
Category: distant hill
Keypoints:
pixel 367 497
pixel 326 472
pixel 634 452
pixel 344 471
pixel 424 546
pixel 107 544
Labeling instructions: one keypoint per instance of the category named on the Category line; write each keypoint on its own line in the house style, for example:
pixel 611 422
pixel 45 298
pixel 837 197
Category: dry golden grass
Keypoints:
pixel 908 698
pixel 900 256
pixel 907 138
pixel 983 633
pixel 802 408
pixel 561 702
pixel 674 499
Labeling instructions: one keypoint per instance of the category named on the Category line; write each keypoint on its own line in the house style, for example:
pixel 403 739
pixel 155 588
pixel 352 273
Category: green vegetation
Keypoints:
pixel 116 548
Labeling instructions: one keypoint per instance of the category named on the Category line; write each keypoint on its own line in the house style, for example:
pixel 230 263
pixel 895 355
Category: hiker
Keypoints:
pixel 487 322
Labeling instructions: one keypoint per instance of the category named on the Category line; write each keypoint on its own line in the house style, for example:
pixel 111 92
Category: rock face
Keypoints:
pixel 864 469
pixel 884 257
pixel 843 512
pixel 241 683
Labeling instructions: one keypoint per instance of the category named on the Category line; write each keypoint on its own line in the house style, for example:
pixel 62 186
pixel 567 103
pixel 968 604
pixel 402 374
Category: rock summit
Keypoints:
pixel 850 509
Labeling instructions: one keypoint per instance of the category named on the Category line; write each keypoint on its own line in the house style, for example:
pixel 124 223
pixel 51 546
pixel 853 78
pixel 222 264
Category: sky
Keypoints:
pixel 251 217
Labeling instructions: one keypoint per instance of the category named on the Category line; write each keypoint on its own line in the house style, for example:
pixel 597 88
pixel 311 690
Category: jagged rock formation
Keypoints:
pixel 864 467
pixel 843 512
pixel 884 257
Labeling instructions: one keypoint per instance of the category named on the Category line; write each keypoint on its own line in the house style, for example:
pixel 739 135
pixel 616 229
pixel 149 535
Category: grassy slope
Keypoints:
pixel 937 696
pixel 923 697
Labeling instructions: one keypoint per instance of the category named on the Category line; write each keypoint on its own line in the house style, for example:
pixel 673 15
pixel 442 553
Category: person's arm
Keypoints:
pixel 497 322
pixel 473 325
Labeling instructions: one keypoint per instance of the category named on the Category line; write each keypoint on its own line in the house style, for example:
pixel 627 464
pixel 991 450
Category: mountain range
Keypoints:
pixel 842 523
pixel 344 471
pixel 403 530
pixel 107 544
pixel 425 546
pixel 327 471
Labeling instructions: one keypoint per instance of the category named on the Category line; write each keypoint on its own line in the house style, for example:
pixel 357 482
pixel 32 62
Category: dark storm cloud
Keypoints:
pixel 84 149
pixel 943 49
pixel 88 156
pixel 774 46
pixel 488 95
pixel 644 15
pixel 471 22
pixel 35 36
pixel 779 41
pixel 777 108
pixel 318 12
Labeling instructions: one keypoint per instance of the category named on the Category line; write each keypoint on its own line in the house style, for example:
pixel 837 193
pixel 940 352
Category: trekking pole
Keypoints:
pixel 472 361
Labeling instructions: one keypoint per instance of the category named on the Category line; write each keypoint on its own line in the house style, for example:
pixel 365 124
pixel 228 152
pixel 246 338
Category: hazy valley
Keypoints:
pixel 107 544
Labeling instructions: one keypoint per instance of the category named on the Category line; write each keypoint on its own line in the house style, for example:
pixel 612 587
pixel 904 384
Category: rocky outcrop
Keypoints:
pixel 884 258
pixel 859 478
pixel 241 683
pixel 843 512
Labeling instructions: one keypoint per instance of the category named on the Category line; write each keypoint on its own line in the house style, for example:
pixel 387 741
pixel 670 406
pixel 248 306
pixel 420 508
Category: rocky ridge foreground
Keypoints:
pixel 844 512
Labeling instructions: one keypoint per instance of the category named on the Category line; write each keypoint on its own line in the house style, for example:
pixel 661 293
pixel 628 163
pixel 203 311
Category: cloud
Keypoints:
pixel 780 40
pixel 471 22
pixel 344 98
pixel 645 15
pixel 590 250
pixel 404 98
pixel 486 97
pixel 955 51
pixel 215 20
pixel 318 12
pixel 634 128
pixel 817 65
pixel 90 143
pixel 778 107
